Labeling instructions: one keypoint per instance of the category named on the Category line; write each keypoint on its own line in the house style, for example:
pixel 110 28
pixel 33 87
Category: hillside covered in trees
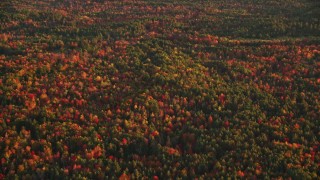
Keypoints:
pixel 159 89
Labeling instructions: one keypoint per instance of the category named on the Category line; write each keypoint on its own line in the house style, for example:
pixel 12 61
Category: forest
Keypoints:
pixel 159 89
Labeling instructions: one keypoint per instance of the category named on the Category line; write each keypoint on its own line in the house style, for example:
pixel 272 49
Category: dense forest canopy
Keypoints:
pixel 159 89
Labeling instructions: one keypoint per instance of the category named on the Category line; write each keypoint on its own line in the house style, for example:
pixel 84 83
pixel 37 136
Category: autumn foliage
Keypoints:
pixel 143 89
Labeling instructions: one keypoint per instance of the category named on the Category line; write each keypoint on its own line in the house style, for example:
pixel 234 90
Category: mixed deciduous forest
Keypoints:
pixel 159 89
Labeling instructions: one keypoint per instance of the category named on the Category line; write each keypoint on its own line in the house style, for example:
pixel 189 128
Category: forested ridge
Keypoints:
pixel 167 89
